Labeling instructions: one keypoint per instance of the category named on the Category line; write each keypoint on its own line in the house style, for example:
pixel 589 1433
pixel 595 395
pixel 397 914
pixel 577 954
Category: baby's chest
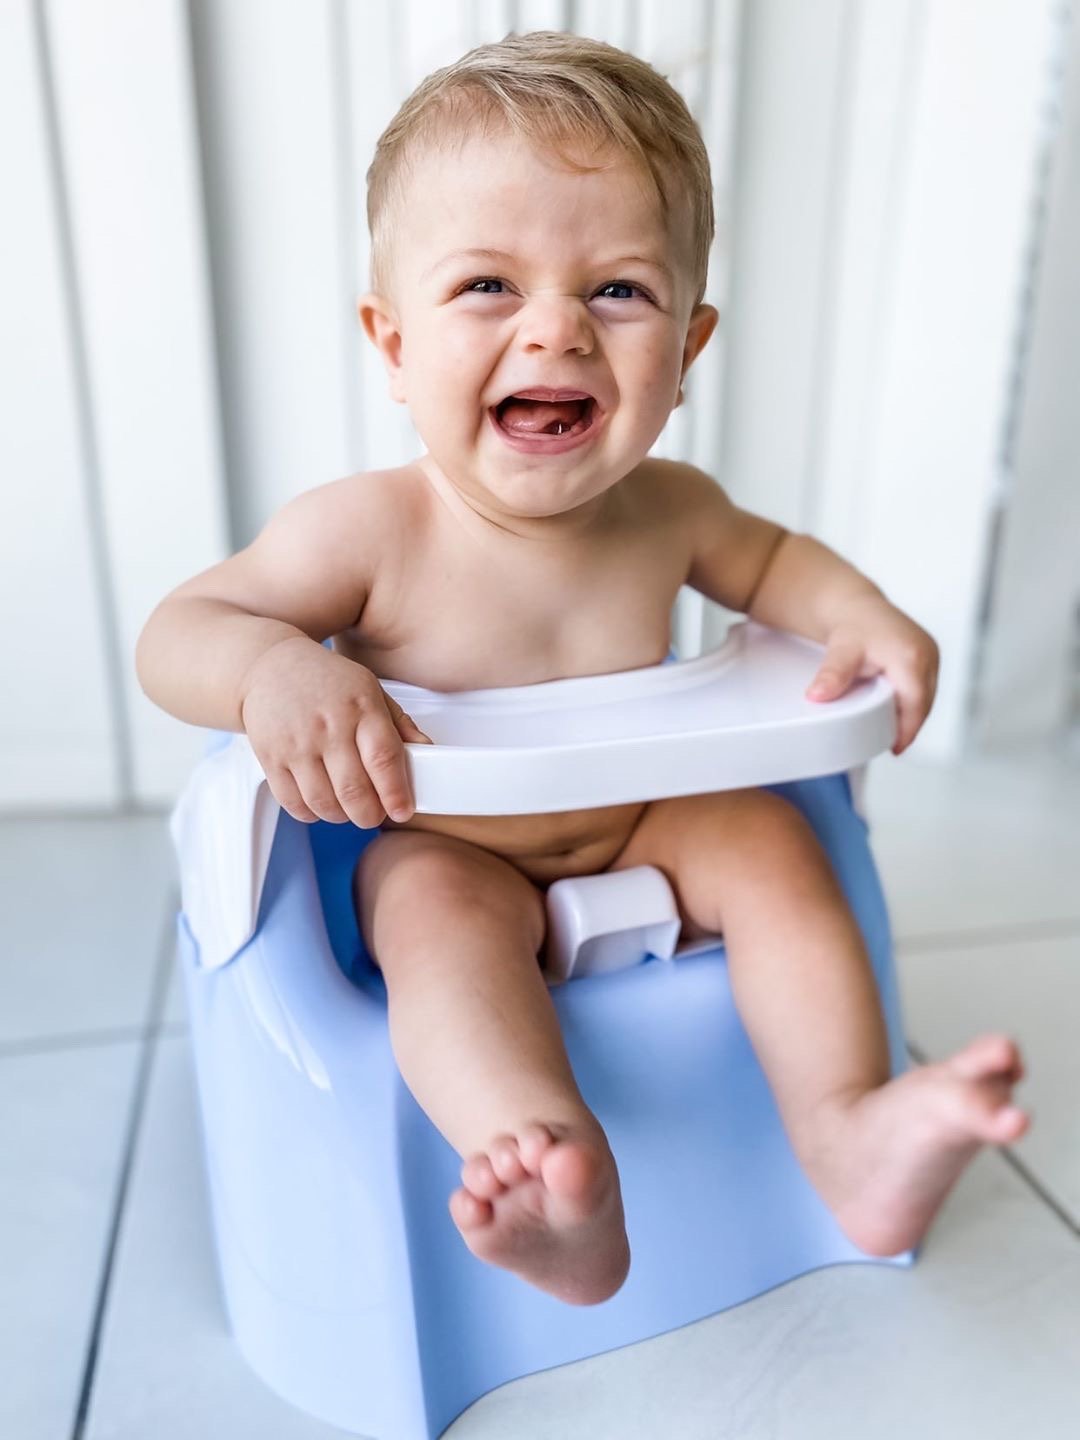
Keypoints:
pixel 460 621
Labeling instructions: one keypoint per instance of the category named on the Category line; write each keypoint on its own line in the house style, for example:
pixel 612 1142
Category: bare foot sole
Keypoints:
pixel 546 1205
pixel 885 1160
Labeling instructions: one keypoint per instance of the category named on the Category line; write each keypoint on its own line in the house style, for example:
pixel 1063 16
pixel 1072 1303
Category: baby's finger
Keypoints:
pixel 287 793
pixel 406 726
pixel 383 752
pixel 354 790
pixel 410 732
pixel 317 791
pixel 838 670
pixel 912 708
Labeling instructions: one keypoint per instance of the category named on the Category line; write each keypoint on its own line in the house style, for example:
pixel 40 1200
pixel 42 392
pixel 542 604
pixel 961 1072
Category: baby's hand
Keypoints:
pixel 875 638
pixel 328 737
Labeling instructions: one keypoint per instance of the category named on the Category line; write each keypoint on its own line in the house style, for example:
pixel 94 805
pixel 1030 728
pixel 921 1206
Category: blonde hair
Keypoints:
pixel 559 91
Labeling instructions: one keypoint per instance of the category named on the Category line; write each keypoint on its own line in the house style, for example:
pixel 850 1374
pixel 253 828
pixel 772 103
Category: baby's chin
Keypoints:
pixel 537 497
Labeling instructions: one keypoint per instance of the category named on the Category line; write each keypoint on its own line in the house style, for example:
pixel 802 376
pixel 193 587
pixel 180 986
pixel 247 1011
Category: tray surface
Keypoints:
pixel 732 717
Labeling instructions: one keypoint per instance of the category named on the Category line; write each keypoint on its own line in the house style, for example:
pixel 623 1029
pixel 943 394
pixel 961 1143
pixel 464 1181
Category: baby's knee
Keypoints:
pixel 777 831
pixel 775 815
pixel 413 880
pixel 739 816
pixel 749 832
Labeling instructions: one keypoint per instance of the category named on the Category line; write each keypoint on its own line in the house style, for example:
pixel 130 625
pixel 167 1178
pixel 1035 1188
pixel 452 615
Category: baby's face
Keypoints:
pixel 513 274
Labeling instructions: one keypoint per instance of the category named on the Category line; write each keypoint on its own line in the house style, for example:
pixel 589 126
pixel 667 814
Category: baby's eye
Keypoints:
pixel 621 285
pixel 470 288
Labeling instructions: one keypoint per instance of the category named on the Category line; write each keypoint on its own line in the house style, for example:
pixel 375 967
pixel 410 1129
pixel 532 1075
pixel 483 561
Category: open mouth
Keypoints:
pixel 531 418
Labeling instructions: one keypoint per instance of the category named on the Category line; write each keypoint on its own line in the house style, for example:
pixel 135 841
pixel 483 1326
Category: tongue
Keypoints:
pixel 535 417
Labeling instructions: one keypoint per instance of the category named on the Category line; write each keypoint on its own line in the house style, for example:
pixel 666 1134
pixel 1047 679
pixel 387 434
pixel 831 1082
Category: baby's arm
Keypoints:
pixel 795 583
pixel 238 648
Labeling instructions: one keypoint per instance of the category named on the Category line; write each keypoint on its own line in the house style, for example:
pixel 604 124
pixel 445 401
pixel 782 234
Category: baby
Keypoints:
pixel 541 219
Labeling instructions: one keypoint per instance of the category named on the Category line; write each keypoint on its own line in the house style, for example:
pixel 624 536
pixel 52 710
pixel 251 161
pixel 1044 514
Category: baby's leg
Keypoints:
pixel 882 1153
pixel 456 932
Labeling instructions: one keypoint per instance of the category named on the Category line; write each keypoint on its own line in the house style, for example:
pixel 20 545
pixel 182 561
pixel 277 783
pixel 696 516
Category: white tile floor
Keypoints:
pixel 111 1325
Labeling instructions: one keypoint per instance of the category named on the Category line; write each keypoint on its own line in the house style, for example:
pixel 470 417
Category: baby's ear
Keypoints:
pixel 384 331
pixel 701 325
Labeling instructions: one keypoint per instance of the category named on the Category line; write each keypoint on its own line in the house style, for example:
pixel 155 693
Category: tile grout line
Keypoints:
pixel 1062 929
pixel 1016 1164
pixel 150 1034
pixel 1035 1184
pixel 94 812
pixel 89 1039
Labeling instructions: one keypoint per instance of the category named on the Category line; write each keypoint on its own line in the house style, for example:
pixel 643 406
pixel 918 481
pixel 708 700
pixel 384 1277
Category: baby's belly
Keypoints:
pixel 542 847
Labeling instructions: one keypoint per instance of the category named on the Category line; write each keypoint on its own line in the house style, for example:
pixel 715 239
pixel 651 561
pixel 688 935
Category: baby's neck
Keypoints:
pixel 568 525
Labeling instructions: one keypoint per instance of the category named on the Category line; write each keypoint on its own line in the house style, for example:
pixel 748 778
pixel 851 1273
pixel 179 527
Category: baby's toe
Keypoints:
pixel 1009 1123
pixel 988 1055
pixel 534 1141
pixel 572 1170
pixel 506 1161
pixel 479 1178
pixel 469 1213
pixel 985 1112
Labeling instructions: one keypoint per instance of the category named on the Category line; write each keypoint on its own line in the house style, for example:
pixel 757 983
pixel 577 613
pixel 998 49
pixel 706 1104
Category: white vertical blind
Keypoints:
pixel 792 76
pixel 125 118
pixel 374 85
pixel 56 719
pixel 269 116
pixel 931 464
pixel 885 167
pixel 1030 651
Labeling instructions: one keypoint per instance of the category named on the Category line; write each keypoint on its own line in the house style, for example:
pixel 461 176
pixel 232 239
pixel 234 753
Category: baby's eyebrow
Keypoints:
pixel 500 256
pixel 496 255
pixel 653 260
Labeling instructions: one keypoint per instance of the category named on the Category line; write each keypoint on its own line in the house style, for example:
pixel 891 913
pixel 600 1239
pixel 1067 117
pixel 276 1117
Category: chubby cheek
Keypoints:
pixel 447 374
pixel 650 381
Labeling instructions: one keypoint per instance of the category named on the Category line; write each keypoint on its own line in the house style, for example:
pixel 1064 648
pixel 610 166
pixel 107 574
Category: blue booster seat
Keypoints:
pixel 347 1285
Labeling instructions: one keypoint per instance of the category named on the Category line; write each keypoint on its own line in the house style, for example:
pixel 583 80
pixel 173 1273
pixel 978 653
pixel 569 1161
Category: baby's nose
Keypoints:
pixel 556 322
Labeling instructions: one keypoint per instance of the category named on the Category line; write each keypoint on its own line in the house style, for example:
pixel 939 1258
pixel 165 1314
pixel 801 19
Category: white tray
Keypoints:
pixel 734 717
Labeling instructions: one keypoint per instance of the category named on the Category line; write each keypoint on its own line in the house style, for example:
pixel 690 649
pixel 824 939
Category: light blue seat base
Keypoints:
pixel 348 1287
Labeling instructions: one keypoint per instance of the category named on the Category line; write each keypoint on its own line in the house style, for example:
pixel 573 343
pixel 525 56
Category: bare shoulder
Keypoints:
pixel 341 512
pixel 675 490
pixel 353 521
pixel 314 562
pixel 726 548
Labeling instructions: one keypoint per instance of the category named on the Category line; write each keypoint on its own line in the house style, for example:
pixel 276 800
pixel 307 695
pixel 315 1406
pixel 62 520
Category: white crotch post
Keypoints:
pixel 600 923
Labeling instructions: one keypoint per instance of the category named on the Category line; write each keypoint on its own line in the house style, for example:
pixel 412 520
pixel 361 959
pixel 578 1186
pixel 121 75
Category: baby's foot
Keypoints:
pixel 546 1205
pixel 886 1160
